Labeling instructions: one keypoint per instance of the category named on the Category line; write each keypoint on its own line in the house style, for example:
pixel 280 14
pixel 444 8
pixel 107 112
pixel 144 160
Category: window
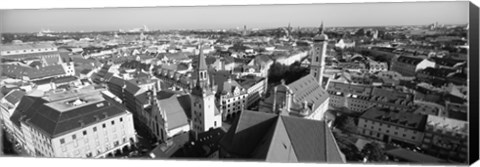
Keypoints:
pixel 62 141
pixel 74 137
pixel 113 122
pixel 104 126
pixel 94 129
pixel 121 119
pixel 84 132
pixel 215 123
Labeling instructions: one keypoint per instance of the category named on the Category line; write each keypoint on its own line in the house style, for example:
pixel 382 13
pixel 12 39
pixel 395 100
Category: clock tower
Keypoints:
pixel 204 113
pixel 319 49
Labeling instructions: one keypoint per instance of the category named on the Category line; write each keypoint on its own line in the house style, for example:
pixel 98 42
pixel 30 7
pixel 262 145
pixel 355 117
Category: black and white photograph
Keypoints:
pixel 320 83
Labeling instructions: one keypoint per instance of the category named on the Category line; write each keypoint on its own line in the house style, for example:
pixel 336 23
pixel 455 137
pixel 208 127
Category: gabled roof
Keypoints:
pixel 175 113
pixel 279 138
pixel 308 89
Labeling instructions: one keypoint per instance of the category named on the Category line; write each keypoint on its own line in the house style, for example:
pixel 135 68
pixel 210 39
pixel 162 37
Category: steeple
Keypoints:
pixel 202 85
pixel 320 30
pixel 202 65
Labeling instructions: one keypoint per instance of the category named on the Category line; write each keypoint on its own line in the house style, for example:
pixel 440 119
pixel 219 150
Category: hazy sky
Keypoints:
pixel 370 14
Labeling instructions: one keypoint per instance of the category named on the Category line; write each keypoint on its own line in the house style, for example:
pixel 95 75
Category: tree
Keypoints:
pixel 373 152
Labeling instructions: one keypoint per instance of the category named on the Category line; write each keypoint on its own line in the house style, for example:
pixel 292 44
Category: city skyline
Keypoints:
pixel 228 17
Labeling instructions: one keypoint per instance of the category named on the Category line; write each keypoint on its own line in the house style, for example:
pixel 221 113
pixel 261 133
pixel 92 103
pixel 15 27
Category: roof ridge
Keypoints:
pixel 288 134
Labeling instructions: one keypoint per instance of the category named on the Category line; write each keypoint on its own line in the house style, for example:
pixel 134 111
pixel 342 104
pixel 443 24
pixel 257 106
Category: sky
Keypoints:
pixel 225 17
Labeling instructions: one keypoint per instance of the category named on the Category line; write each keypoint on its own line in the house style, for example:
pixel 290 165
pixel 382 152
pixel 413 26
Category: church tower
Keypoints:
pixel 317 64
pixel 204 112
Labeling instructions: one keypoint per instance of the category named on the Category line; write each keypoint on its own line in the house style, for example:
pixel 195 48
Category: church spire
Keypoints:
pixel 320 30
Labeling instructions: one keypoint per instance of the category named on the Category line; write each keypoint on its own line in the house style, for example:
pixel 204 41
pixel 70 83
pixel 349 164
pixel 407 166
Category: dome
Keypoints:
pixel 320 37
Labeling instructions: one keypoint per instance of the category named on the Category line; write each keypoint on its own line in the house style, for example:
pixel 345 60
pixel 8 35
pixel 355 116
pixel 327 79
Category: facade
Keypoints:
pixel 408 66
pixel 392 126
pixel 75 123
pixel 317 64
pixel 358 98
pixel 204 112
pixel 446 138
pixel 26 49
pixel 375 66
pixel 168 116
pixel 279 138
pixel 8 104
pixel 136 94
pixel 256 87
pixel 232 98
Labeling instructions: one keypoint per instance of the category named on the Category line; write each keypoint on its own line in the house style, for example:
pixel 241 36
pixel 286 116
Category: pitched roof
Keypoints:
pixel 404 119
pixel 409 60
pixel 202 64
pixel 277 138
pixel 175 113
pixel 45 114
pixel 14 96
pixel 17 71
pixel 308 89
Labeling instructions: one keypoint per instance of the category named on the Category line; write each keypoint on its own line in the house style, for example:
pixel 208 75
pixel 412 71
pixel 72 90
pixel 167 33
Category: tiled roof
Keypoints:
pixel 14 96
pixel 415 157
pixel 276 138
pixel 17 71
pixel 36 112
pixel 14 47
pixel 409 60
pixel 308 89
pixel 403 119
pixel 175 113
pixel 129 87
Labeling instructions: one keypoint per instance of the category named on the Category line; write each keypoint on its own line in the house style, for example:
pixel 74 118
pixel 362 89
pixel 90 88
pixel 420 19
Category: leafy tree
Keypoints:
pixel 373 152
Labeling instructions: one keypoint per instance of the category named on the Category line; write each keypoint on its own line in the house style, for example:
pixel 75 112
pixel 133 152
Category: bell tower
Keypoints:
pixel 204 112
pixel 317 64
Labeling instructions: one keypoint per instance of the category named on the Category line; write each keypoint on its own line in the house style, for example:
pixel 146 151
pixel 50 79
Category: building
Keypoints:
pixel 78 123
pixel 22 51
pixel 446 138
pixel 133 96
pixel 8 104
pixel 168 116
pixel 408 66
pixel 256 86
pixel 392 126
pixel 342 44
pixel 28 73
pixel 375 66
pixel 358 98
pixel 319 50
pixel 205 114
pixel 304 97
pixel 278 138
pixel 232 98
